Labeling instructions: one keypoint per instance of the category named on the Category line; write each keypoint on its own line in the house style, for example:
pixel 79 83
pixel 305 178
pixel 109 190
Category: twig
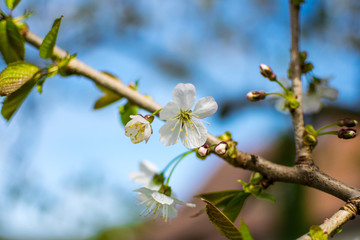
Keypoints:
pixel 303 152
pixel 342 216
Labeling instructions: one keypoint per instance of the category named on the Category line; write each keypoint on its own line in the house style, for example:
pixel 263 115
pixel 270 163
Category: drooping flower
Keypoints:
pixel 158 203
pixel 146 175
pixel 138 129
pixel 181 121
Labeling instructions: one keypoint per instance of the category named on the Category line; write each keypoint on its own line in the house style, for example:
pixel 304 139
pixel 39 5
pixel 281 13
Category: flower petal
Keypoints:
pixel 171 110
pixel 139 118
pixel 172 211
pixel 311 103
pixel 145 191
pixel 194 134
pixel 184 95
pixel 329 93
pixel 148 168
pixel 169 133
pixel 147 132
pixel 205 107
pixel 162 198
pixel 140 177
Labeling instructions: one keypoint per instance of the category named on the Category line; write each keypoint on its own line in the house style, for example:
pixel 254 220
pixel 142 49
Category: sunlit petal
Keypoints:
pixel 205 107
pixel 169 133
pixel 184 95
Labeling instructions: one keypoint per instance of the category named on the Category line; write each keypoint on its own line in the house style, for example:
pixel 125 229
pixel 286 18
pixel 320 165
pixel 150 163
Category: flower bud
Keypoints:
pixel 255 96
pixel 267 72
pixel 347 122
pixel 347 133
pixel 149 118
pixel 221 148
pixel 203 151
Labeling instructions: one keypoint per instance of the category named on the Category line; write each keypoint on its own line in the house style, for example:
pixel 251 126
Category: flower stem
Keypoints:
pixel 178 161
pixel 279 94
pixel 156 112
pixel 330 133
pixel 327 126
pixel 282 86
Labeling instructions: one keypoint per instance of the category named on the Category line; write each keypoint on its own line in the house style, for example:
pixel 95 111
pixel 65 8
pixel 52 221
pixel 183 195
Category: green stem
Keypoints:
pixel 279 94
pixel 282 86
pixel 181 158
pixel 327 126
pixel 331 133
pixel 172 161
pixel 154 113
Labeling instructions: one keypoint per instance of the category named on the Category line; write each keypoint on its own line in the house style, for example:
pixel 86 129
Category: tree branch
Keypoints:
pixel 307 175
pixel 346 213
pixel 303 152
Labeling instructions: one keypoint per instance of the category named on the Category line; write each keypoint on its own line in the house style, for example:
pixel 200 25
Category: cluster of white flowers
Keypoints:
pixel 155 202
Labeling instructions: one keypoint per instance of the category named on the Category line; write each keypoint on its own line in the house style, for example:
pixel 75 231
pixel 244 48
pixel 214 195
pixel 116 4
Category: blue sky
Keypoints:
pixel 62 140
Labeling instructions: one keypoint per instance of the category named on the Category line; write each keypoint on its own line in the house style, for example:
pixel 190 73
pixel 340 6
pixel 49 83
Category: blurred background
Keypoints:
pixel 64 166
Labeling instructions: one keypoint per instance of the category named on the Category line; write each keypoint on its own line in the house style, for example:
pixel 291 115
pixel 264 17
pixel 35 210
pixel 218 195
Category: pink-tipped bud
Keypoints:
pixel 267 72
pixel 221 148
pixel 255 96
pixel 347 133
pixel 347 122
pixel 203 151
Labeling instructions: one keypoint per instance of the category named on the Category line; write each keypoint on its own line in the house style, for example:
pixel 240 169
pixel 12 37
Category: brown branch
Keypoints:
pixel 303 152
pixel 307 175
pixel 345 214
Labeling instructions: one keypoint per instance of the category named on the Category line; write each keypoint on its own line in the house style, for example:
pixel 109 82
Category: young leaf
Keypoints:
pixel 109 97
pixel 244 229
pixel 15 75
pixel 12 44
pixel 47 46
pixel 221 198
pixel 316 233
pixel 127 110
pixel 265 195
pixel 233 208
pixel 12 102
pixel 221 222
pixel 12 3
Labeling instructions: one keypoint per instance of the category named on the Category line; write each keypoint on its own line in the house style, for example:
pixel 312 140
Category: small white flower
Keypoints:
pixel 138 129
pixel 157 202
pixel 312 102
pixel 181 121
pixel 145 176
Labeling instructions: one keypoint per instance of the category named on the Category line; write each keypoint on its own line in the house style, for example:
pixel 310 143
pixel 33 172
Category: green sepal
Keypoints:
pixel 310 129
pixel 12 44
pixel 221 198
pixel 109 97
pixel 47 46
pixel 245 233
pixel 316 233
pixel 233 208
pixel 15 75
pixel 12 102
pixel 127 110
pixel 12 3
pixel 221 222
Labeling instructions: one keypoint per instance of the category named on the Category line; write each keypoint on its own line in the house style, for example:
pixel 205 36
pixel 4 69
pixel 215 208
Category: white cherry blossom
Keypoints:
pixel 138 129
pixel 158 203
pixel 181 121
pixel 145 176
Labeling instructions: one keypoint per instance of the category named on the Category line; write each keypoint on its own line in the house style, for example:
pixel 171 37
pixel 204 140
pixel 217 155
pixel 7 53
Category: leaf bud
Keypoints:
pixel 203 151
pixel 347 133
pixel 267 72
pixel 255 95
pixel 221 148
pixel 226 136
pixel 310 140
pixel 149 118
pixel 347 122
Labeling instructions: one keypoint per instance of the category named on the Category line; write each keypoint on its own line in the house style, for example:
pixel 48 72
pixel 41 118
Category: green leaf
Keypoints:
pixel 15 75
pixel 47 46
pixel 127 110
pixel 244 229
pixel 316 233
pixel 109 97
pixel 12 102
pixel 12 3
pixel 12 44
pixel 233 208
pixel 266 196
pixel 221 198
pixel 221 222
